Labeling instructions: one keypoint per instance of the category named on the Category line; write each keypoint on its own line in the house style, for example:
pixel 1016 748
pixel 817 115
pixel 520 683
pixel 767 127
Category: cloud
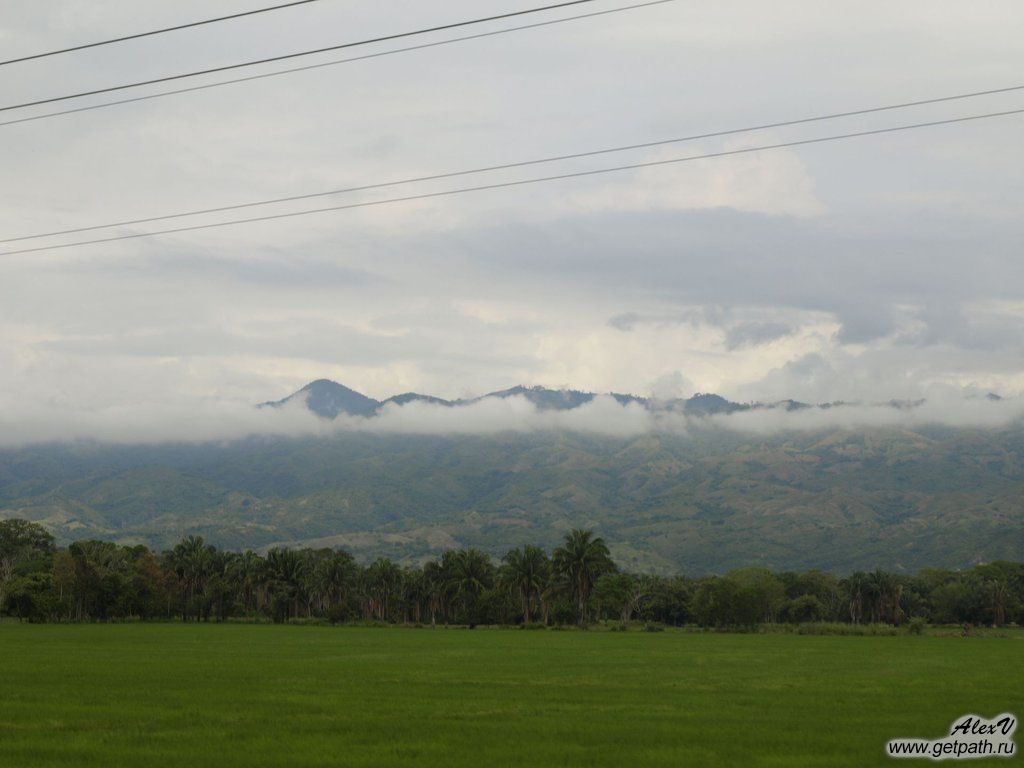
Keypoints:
pixel 146 423
pixel 671 386
pixel 603 415
pixel 212 421
pixel 892 261
pixel 754 334
pixel 864 321
pixel 629 321
pixel 774 183
pixel 942 410
pixel 221 422
pixel 739 332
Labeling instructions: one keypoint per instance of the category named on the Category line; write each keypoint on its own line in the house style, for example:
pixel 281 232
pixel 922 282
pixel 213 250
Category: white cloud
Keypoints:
pixel 776 183
pixel 213 421
pixel 949 411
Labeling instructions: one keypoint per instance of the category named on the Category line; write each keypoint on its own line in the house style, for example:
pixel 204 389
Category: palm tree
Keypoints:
pixel 998 592
pixel 472 574
pixel 285 569
pixel 857 586
pixel 526 572
pixel 581 559
pixel 415 593
pixel 381 581
pixel 219 590
pixel 876 589
pixel 884 593
pixel 331 579
pixel 191 560
pixel 438 577
pixel 247 574
pixel 896 596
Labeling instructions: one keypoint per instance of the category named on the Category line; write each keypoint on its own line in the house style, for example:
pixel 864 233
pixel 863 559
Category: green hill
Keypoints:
pixel 707 501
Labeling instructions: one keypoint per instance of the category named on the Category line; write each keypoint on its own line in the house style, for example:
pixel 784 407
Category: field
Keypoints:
pixel 243 695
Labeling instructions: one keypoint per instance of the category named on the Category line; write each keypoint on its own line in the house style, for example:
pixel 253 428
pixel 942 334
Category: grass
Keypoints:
pixel 243 695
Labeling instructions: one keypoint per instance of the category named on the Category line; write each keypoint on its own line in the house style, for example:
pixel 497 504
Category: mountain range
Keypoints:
pixel 328 399
pixel 701 501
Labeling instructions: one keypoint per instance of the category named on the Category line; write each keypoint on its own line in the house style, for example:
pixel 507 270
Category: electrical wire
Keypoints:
pixel 156 32
pixel 520 182
pixel 286 56
pixel 336 62
pixel 522 163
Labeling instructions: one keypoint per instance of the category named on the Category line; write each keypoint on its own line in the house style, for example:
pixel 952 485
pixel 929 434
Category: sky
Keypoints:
pixel 868 269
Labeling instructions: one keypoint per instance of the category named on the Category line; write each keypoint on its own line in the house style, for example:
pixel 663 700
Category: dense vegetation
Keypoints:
pixel 577 583
pixel 703 502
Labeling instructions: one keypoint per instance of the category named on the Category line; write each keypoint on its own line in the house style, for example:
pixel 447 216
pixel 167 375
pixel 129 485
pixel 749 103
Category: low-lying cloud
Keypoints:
pixel 959 412
pixel 216 421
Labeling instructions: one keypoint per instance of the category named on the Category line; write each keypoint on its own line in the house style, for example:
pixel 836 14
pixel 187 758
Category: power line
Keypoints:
pixel 308 67
pixel 521 182
pixel 156 32
pixel 283 57
pixel 520 164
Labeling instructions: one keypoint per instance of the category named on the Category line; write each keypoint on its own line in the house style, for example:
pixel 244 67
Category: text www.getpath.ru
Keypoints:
pixel 969 737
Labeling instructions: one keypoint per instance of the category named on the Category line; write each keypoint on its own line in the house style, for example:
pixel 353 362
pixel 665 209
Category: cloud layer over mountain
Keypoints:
pixel 604 415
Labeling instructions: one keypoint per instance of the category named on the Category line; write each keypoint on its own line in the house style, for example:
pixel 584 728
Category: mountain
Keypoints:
pixel 543 399
pixel 327 399
pixel 706 404
pixel 703 501
pixel 415 397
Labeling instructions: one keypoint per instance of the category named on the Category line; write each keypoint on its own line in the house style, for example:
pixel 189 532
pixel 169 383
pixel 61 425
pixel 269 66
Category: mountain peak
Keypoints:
pixel 328 398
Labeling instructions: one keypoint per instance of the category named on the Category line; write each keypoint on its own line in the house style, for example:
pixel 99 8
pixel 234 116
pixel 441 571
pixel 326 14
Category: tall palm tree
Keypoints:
pixel 526 572
pixel 285 570
pixel 881 589
pixel 331 579
pixel 415 593
pixel 437 575
pixel 247 575
pixel 857 586
pixel 581 559
pixel 219 592
pixel 191 563
pixel 382 581
pixel 998 594
pixel 472 574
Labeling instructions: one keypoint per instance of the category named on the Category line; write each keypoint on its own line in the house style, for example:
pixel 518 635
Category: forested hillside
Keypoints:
pixel 704 502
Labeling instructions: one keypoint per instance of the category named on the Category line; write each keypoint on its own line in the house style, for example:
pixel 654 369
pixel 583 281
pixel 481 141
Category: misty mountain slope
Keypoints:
pixel 707 501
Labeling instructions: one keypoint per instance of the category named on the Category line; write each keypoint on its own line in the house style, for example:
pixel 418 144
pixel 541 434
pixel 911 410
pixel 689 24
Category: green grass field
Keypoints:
pixel 242 695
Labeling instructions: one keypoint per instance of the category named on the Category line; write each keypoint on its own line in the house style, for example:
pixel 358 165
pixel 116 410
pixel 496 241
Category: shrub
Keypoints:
pixel 803 609
pixel 916 626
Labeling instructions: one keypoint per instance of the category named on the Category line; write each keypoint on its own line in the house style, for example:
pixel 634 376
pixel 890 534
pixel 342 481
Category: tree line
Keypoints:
pixel 577 583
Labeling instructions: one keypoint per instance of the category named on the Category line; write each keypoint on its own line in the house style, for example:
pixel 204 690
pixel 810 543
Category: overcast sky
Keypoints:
pixel 868 269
